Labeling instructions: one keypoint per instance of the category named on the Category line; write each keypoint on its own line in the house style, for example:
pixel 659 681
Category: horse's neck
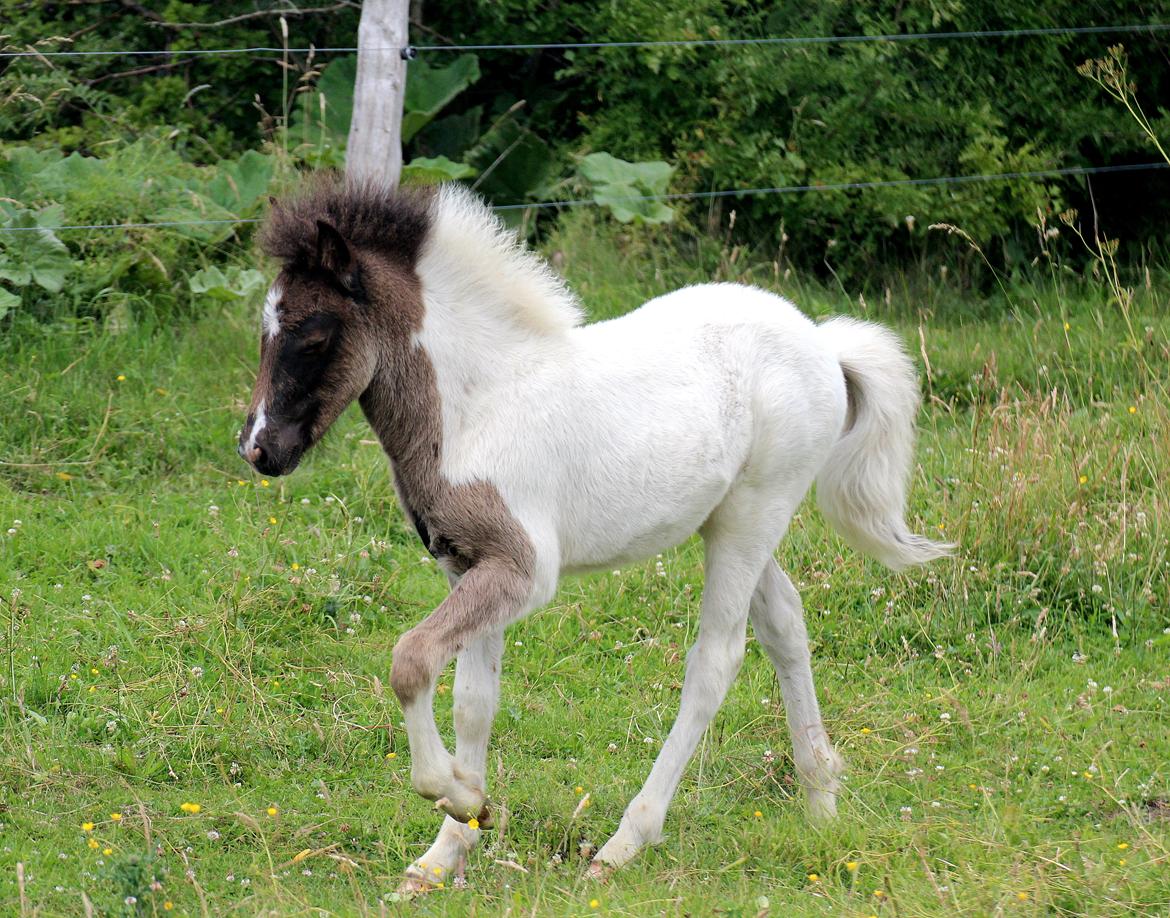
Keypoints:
pixel 461 371
pixel 401 405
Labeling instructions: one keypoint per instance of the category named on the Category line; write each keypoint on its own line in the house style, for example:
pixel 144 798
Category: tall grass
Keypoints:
pixel 178 631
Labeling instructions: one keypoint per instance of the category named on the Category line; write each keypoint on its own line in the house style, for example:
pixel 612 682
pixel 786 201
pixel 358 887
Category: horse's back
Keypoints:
pixel 673 402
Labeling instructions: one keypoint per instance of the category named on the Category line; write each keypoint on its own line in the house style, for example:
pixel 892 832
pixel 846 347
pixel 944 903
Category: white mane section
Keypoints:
pixel 270 317
pixel 477 254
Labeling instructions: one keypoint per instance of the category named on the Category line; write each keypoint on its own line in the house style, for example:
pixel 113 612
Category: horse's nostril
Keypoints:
pixel 253 455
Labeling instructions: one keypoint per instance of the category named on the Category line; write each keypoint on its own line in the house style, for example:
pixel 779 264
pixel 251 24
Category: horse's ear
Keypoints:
pixel 334 255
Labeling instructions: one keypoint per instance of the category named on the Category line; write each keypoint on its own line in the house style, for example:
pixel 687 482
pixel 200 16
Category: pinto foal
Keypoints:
pixel 526 446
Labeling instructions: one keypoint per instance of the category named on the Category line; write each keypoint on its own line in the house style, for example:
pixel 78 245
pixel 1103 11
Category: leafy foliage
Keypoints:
pixel 623 187
pixel 140 182
pixel 116 139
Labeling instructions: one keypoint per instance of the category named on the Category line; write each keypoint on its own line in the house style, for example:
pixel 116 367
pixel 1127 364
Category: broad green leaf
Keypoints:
pixel 74 171
pixel 452 135
pixel 238 184
pixel 8 302
pixel 35 255
pixel 623 187
pixel 604 169
pixel 514 163
pixel 429 89
pixel 424 171
pixel 19 169
pixel 198 209
pixel 628 204
pixel 234 284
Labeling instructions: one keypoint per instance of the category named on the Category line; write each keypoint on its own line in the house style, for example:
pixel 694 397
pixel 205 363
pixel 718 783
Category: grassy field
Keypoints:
pixel 195 703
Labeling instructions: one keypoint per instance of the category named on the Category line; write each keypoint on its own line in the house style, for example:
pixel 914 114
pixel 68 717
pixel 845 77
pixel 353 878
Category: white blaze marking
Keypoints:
pixel 257 426
pixel 271 319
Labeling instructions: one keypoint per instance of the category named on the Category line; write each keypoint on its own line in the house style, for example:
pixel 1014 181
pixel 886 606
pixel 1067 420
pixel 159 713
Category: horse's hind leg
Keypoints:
pixel 778 621
pixel 739 538
pixel 477 692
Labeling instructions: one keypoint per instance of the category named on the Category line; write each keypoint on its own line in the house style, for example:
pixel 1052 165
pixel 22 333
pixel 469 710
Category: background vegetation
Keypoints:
pixel 193 711
pixel 518 124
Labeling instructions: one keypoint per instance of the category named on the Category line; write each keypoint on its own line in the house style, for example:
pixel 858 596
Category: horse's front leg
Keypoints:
pixel 477 690
pixel 486 598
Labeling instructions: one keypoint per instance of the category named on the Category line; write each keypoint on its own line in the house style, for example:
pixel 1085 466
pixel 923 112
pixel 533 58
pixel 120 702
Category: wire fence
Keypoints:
pixel 781 41
pixel 681 196
pixel 410 51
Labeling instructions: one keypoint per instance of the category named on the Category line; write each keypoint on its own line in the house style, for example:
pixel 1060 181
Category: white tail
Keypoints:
pixel 862 487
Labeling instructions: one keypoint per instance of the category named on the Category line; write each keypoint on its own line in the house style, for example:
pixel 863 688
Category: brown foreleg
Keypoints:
pixel 487 597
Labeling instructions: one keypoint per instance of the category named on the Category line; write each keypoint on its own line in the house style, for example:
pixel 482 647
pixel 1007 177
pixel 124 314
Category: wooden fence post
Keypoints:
pixel 374 150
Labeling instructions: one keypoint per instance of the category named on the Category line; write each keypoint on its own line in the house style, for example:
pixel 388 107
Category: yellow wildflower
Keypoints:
pixel 814 878
pixel 593 903
pixel 1133 409
pixel 578 789
pixel 865 731
pixel 168 905
pixel 94 671
pixel 272 811
pixel 1122 846
pixel 758 814
pixel 1084 479
pixel 190 807
pixel 93 843
pixel 121 377
pixel 473 823
pixel 117 817
pixel 107 851
pixel 264 482
pixel 391 755
pixel 1022 896
pixel 87 827
pixel 272 520
pixel 851 866
pixel 64 476
pixel 295 566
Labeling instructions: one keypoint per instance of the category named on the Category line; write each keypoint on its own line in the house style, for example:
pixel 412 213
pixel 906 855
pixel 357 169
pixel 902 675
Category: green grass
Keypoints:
pixel 179 631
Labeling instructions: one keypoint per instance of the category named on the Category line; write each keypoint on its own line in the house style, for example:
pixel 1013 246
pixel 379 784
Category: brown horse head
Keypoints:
pixel 345 296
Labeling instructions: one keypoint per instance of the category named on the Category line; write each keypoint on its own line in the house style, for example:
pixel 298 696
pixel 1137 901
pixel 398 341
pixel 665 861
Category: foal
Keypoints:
pixel 526 446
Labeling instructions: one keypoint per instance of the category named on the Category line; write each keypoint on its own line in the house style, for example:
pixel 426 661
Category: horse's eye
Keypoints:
pixel 315 341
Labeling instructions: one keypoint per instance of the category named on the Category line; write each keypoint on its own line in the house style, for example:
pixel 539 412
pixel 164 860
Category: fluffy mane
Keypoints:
pixel 368 214
pixel 476 251
pixel 447 233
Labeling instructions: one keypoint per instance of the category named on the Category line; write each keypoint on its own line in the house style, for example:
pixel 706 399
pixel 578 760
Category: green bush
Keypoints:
pixel 49 271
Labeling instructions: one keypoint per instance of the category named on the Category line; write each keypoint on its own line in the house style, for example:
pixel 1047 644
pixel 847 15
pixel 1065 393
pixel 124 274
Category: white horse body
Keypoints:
pixel 615 441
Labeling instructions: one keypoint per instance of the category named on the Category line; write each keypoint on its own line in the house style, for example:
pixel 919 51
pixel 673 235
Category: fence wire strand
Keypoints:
pixel 680 196
pixel 637 43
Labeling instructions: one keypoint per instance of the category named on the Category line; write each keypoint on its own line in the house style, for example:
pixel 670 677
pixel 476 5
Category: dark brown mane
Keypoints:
pixel 369 215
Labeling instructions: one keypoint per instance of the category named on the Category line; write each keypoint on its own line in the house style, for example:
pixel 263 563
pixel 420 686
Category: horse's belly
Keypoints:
pixel 608 530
